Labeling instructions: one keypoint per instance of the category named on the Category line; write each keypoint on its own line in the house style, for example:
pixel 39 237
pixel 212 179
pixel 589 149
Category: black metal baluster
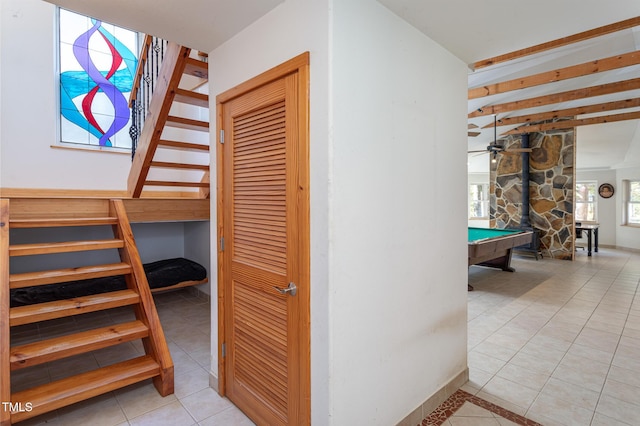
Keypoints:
pixel 141 105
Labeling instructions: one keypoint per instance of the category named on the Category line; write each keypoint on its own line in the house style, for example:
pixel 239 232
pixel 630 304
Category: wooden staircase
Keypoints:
pixel 169 96
pixel 156 364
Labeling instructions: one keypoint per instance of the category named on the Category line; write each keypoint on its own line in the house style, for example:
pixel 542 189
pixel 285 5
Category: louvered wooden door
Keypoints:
pixel 265 229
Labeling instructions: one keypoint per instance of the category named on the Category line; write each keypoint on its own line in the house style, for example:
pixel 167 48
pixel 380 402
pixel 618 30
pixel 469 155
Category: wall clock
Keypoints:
pixel 606 190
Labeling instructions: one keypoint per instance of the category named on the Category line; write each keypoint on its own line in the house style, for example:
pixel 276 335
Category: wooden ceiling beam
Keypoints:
pixel 564 41
pixel 569 112
pixel 587 68
pixel 567 124
pixel 572 95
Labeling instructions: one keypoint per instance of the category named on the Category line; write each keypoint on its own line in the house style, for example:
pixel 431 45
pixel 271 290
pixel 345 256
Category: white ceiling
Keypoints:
pixel 199 24
pixel 600 146
pixel 478 29
pixel 481 29
pixel 471 30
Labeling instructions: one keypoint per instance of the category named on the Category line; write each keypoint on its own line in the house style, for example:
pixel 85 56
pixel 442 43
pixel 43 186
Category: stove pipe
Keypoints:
pixel 525 222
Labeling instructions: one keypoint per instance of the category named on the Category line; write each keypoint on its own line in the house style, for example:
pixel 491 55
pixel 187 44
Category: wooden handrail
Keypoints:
pixel 169 77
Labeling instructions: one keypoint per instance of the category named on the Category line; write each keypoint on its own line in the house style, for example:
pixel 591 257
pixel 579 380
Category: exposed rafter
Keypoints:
pixel 572 95
pixel 569 112
pixel 586 35
pixel 567 124
pixel 587 68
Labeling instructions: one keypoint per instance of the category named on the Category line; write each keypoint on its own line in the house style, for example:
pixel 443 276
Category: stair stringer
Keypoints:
pixel 173 65
pixel 156 364
pixel 156 344
pixel 5 371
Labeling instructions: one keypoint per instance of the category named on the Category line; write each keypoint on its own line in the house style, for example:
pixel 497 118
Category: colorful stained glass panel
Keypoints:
pixel 97 65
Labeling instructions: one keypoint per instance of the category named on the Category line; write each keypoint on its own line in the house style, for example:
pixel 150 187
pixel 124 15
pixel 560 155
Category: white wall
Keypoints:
pixel 612 232
pixel 607 207
pixel 197 247
pixel 626 236
pixel 29 115
pixel 28 84
pixel 388 292
pixel 398 269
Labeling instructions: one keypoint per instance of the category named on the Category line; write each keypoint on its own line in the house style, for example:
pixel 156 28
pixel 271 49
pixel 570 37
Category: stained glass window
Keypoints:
pixel 97 65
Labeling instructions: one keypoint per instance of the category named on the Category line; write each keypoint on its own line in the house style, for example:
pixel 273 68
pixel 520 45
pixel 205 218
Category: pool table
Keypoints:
pixel 492 247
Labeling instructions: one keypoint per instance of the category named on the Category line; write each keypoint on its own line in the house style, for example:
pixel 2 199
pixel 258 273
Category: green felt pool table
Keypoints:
pixel 492 247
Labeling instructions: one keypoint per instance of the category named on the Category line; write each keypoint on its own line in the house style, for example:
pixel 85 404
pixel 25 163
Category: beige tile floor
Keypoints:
pixel 557 341
pixel 186 322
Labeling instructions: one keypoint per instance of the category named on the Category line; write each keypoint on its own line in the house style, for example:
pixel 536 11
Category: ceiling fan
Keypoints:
pixel 495 148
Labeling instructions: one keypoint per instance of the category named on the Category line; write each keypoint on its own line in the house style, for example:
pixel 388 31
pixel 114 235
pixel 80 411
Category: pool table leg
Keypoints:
pixel 502 262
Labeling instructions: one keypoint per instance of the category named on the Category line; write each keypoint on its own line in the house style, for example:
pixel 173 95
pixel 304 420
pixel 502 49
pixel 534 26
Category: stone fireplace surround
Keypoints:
pixel 551 189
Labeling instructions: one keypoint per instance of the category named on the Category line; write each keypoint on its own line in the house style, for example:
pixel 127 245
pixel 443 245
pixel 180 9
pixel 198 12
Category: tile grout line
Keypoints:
pixel 593 273
pixel 635 293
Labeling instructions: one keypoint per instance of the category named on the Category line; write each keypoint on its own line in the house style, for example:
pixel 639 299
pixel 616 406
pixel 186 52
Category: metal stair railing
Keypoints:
pixel 149 64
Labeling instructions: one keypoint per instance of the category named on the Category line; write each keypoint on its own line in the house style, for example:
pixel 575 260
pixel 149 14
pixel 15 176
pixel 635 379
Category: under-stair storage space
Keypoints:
pixel 55 345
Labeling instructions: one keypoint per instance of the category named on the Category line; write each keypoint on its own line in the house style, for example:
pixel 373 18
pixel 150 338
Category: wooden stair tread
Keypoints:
pixel 156 364
pixel 74 344
pixel 187 123
pixel 58 222
pixel 182 184
pixel 54 276
pixel 169 165
pixel 186 146
pixel 67 391
pixel 63 308
pixel 196 68
pixel 63 247
pixel 192 98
